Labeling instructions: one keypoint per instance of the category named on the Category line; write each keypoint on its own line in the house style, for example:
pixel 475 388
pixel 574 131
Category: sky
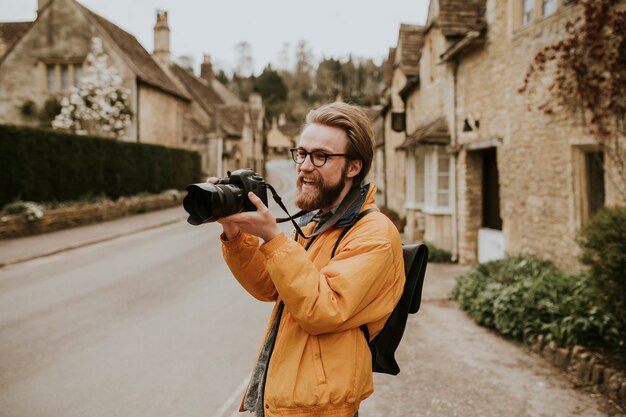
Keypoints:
pixel 333 28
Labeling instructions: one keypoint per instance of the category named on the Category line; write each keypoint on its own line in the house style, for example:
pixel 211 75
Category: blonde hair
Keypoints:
pixel 352 120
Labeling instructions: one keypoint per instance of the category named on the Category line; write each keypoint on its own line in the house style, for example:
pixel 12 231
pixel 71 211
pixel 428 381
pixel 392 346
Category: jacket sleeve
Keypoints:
pixel 247 264
pixel 361 284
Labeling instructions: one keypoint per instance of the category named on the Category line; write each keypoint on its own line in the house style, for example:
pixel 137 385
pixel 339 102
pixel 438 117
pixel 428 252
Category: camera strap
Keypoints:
pixel 279 201
pixel 350 203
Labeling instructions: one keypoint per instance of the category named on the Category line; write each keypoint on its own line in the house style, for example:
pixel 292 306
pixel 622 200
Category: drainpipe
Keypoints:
pixel 453 139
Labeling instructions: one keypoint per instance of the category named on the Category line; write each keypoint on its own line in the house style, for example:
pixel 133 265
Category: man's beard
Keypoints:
pixel 324 196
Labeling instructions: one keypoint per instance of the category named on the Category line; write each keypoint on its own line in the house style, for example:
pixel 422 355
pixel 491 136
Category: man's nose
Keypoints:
pixel 307 164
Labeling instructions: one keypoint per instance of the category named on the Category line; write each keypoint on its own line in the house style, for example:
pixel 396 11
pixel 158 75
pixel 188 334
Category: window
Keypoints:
pixel 430 177
pixel 419 176
pixel 527 12
pixel 78 74
pixel 62 76
pixel 594 162
pixel 51 77
pixel 398 121
pixel 549 7
pixel 443 180
pixel 65 78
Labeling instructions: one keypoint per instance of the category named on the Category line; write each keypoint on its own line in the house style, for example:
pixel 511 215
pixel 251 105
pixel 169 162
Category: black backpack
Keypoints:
pixel 384 345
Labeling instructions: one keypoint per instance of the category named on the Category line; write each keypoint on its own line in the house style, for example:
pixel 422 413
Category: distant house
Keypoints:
pixel 281 136
pixel 400 72
pixel 41 60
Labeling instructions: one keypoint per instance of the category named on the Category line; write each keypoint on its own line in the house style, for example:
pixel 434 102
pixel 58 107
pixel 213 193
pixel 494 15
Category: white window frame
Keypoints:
pixel 548 7
pixel 429 179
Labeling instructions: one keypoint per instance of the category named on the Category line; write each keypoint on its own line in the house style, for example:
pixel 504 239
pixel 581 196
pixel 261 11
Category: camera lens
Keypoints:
pixel 209 202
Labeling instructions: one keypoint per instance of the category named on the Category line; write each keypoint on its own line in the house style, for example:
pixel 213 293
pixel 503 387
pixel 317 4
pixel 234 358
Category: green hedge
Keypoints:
pixel 45 165
pixel 523 297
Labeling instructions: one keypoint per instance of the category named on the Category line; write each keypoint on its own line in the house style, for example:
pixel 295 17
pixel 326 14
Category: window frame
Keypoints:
pixel 428 184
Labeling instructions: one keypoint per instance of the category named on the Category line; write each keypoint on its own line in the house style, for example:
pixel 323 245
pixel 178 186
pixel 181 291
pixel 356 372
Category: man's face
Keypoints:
pixel 323 187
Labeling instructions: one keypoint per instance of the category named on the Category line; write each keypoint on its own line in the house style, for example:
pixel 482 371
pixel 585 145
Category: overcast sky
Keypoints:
pixel 363 28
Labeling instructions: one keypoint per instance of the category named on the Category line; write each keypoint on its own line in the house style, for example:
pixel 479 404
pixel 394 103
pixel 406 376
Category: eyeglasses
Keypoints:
pixel 318 158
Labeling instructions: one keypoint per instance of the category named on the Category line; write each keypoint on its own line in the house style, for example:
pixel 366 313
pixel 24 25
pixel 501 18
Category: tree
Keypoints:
pixel 589 79
pixel 272 88
pixel 245 63
pixel 101 104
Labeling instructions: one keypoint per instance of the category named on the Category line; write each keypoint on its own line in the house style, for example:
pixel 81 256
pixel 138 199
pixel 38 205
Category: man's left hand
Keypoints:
pixel 259 223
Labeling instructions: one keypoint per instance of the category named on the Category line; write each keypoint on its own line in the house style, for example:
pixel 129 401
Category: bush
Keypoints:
pixel 524 297
pixel 438 255
pixel 603 244
pixel 43 165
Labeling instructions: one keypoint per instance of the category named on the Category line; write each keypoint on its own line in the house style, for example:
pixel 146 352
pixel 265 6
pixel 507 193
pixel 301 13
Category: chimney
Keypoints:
pixel 282 120
pixel 162 37
pixel 206 69
pixel 40 5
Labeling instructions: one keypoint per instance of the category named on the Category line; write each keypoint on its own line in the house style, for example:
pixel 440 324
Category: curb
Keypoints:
pixel 87 243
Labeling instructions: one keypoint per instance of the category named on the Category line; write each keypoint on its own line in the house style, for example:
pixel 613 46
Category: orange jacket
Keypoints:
pixel 321 364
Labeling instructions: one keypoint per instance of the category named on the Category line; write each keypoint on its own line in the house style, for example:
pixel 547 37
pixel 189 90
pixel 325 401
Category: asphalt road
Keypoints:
pixel 153 324
pixel 150 324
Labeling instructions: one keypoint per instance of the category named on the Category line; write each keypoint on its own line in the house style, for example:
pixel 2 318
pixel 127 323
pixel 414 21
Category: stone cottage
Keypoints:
pixel 486 175
pixel 41 60
pixel 401 69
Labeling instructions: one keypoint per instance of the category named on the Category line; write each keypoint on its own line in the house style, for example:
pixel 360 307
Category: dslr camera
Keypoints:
pixel 207 202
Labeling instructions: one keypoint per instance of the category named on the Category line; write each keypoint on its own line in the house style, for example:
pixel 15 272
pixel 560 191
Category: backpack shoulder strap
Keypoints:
pixel 347 228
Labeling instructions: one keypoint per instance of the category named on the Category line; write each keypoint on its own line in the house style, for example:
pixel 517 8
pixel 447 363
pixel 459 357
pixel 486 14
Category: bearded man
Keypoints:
pixel 315 360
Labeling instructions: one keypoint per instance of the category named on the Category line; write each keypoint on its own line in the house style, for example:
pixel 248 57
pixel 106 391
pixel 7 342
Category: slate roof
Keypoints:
pixel 457 17
pixel 145 66
pixel 435 132
pixel 214 97
pixel 411 41
pixel 388 67
pixel 10 32
pixel 231 118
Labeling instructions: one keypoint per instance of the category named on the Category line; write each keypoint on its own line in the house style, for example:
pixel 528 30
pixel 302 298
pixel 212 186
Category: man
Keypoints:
pixel 315 360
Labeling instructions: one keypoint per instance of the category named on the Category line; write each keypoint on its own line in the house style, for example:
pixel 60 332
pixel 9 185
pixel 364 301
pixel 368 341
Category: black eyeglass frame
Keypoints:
pixel 307 153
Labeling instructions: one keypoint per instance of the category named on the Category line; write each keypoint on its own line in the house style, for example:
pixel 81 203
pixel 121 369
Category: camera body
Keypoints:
pixel 247 180
pixel 208 202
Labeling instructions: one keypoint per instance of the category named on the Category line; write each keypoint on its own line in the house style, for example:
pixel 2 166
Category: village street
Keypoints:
pixel 152 324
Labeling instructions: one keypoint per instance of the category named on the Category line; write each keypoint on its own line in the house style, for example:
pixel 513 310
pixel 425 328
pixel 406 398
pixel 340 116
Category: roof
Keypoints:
pixel 435 132
pixel 231 118
pixel 198 88
pixel 388 67
pixel 10 32
pixel 410 42
pixel 376 119
pixel 457 17
pixel 145 66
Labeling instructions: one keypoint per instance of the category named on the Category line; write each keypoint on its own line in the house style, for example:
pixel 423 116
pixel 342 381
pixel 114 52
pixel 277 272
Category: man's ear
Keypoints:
pixel 354 168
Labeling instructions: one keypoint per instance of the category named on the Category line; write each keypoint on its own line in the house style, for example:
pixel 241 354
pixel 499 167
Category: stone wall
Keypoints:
pixel 537 153
pixel 586 368
pixel 17 225
pixel 160 117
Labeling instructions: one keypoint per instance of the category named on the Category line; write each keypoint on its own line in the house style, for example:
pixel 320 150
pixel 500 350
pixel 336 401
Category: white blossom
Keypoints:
pixel 100 105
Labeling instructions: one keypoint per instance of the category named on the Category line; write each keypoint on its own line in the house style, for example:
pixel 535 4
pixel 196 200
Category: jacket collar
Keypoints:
pixel 346 213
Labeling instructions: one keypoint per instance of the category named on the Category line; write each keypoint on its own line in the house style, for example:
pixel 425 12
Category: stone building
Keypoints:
pixel 518 180
pixel 41 60
pixel 282 135
pixel 401 70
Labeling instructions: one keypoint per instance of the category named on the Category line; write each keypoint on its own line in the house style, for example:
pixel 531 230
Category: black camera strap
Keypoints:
pixel 351 198
pixel 279 201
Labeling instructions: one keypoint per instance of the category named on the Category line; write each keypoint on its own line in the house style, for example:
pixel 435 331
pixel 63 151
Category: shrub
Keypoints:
pixel 603 244
pixel 438 255
pixel 523 297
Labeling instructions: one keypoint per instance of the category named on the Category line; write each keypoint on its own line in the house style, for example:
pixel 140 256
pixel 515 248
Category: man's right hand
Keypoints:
pixel 230 231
